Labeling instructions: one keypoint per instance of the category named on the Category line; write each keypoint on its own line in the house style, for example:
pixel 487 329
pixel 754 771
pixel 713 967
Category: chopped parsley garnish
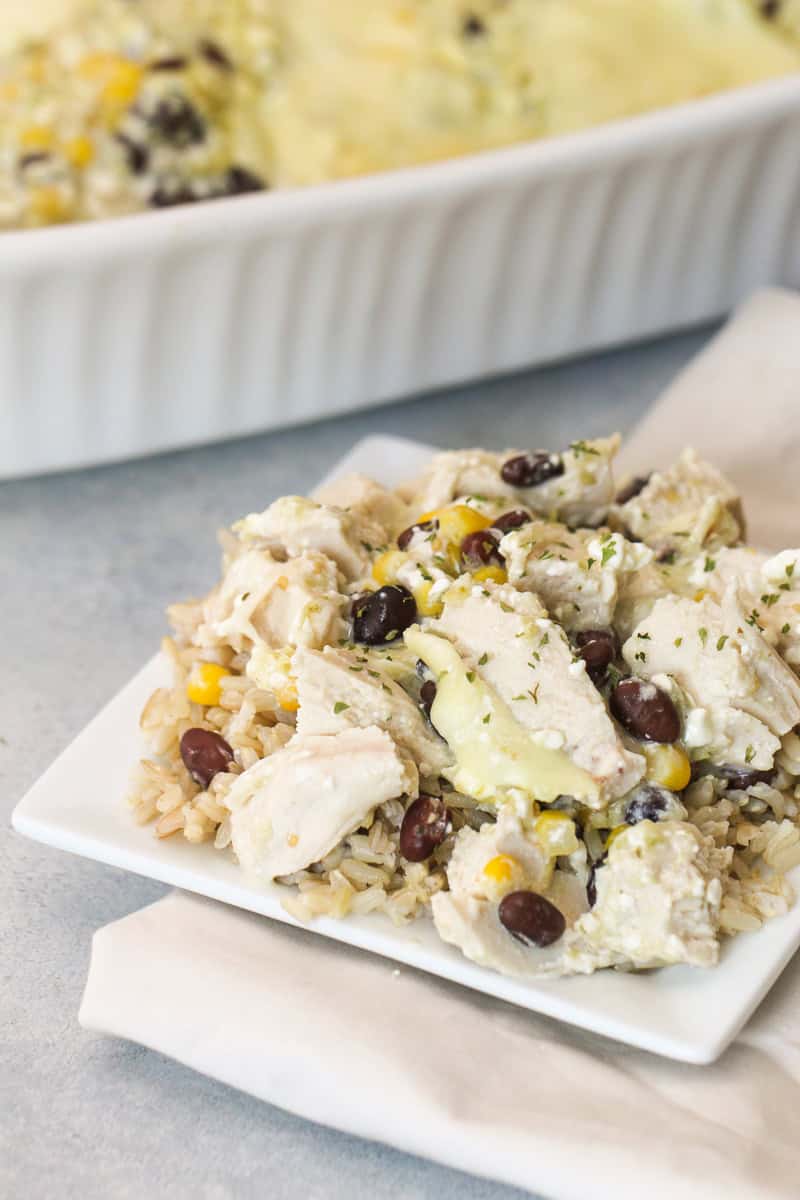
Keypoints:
pixel 582 447
pixel 790 569
pixel 477 497
pixel 484 658
pixel 355 668
pixel 339 707
pixel 546 554
pixel 749 754
pixel 721 641
pixel 608 552
pixel 770 598
pixel 487 718
pixel 645 637
pixel 369 549
pixel 425 575
pixel 470 676
pixel 786 628
pixel 640 656
pixel 678 641
pixel 709 564
pixel 545 639
pixel 534 694
pixel 590 563
pixel 753 620
pixel 702 633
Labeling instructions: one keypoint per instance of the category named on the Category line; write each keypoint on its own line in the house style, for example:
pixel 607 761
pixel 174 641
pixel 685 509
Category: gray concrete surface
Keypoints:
pixel 88 562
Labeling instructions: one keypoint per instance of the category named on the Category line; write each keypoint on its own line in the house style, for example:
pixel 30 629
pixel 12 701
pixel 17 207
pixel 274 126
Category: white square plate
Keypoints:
pixel 684 1013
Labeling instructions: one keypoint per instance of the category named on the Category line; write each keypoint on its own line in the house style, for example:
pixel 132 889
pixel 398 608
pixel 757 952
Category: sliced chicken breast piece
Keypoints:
pixel 486 866
pixel 341 689
pixel 743 696
pixel 577 574
pixel 690 504
pixel 290 810
pixel 658 901
pixel 508 640
pixel 264 602
pixel 294 525
pixel 363 496
pixel 578 490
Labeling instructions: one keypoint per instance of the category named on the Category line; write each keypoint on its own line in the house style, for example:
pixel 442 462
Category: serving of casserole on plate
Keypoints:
pixel 202 321
pixel 506 712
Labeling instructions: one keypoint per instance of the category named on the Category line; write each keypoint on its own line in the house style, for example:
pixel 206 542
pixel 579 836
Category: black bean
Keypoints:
pixel 591 882
pixel 648 804
pixel 164 197
pixel 204 754
pixel 532 468
pixel 214 54
pixel 383 616
pixel 425 826
pixel 175 63
pixel 739 778
pixel 530 917
pixel 512 520
pixel 427 695
pixel 480 548
pixel 645 711
pixel 239 181
pixel 35 156
pixel 176 121
pixel 598 648
pixel 137 156
pixel 473 26
pixel 404 538
pixel 632 489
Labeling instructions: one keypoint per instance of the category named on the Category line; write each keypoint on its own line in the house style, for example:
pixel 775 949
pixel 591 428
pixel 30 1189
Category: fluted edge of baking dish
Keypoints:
pixel 162 330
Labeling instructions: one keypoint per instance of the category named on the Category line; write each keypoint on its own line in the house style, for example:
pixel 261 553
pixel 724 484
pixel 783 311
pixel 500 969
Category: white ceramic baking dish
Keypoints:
pixel 193 324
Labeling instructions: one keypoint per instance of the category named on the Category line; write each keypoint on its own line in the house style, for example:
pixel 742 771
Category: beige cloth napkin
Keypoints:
pixel 347 1039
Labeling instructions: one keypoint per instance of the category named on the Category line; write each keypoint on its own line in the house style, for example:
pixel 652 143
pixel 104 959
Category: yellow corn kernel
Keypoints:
pixel 122 84
pixel 36 137
pixel 555 831
pixel 386 566
pixel 98 65
pixel 668 766
pixel 287 697
pixel 700 595
pixel 46 205
pixel 425 606
pixel 79 151
pixel 456 521
pixel 496 574
pixel 615 833
pixel 501 868
pixel 205 683
pixel 282 582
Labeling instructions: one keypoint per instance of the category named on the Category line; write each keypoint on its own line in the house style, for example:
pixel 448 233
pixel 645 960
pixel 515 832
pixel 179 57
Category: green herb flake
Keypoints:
pixel 505 607
pixel 534 694
pixel 678 641
pixel 646 637
pixel 640 656
pixel 484 658
pixel 770 598
pixel 545 639
pixel 786 628
pixel 590 563
pixel 340 707
pixel 583 447
pixel 753 620
pixel 749 754
pixel 709 564
pixel 425 575
pixel 355 668
pixel 608 553
pixel 470 676
pixel 702 633
pixel 721 641
pixel 487 719
pixel 790 569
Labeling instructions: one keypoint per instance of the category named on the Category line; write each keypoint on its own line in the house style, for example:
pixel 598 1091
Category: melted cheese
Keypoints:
pixel 492 750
